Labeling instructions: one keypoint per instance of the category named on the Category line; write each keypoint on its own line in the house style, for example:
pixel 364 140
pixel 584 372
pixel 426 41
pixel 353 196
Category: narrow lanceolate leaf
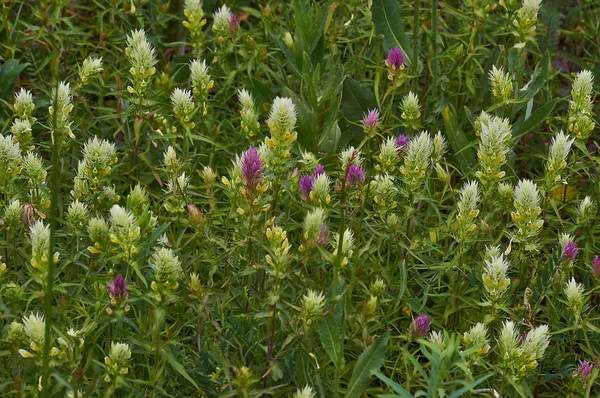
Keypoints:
pixel 370 360
pixel 331 339
pixel 388 21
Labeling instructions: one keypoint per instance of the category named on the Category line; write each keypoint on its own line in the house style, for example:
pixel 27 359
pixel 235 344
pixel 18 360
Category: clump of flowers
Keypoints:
pixel 370 122
pixel 166 270
pixel 581 116
pixel 279 257
pixel 569 247
pixel 201 83
pixel 520 356
pixel 124 233
pixel 118 293
pixel 527 18
pixel 194 14
pixel 40 246
pixel 282 123
pixel 385 195
pixel 224 24
pixel 10 159
pixel 394 63
pixel 141 58
pixel 22 125
pixel 90 69
pixel 583 372
pixel 411 110
pixel 465 227
pixel 93 174
pixel 248 113
pixel 312 307
pixel 417 160
pixel 477 337
pixel 34 326
pixel 77 216
pixel 495 277
pixel 389 156
pixel 526 215
pixel 495 135
pixel 314 229
pixel 557 160
pixel 573 293
pixel 117 361
pixel 61 106
pixel 306 392
pixel 183 108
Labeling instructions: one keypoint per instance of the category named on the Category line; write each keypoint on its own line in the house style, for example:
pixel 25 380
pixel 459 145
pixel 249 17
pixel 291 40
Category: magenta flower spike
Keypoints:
pixel 420 327
pixel 306 186
pixel 117 289
pixel 355 175
pixel 570 250
pixel 395 59
pixel 252 173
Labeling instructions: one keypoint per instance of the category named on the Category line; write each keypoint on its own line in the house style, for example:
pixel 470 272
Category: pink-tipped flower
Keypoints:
pixel 570 250
pixel 596 267
pixel 370 121
pixel 319 170
pixel 306 186
pixel 233 23
pixel 252 173
pixel 584 371
pixel 402 142
pixel 355 175
pixel 420 326
pixel 118 289
pixel 395 59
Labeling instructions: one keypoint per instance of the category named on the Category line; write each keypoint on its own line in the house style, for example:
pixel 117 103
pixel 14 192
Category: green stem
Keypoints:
pixel 53 215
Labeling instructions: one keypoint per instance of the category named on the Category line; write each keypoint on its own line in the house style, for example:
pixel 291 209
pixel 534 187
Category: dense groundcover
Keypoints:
pixel 341 198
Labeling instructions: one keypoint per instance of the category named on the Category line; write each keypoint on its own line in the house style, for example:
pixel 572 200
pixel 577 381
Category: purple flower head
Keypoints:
pixel 319 170
pixel 355 174
pixel 584 371
pixel 322 239
pixel 252 173
pixel 402 142
pixel 420 326
pixel 570 250
pixel 395 59
pixel 233 23
pixel 596 267
pixel 306 186
pixel 371 120
pixel 117 290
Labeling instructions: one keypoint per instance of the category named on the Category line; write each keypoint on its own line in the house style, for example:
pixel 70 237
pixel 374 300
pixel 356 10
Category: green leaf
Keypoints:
pixel 356 102
pixel 523 127
pixel 393 385
pixel 369 361
pixel 330 338
pixel 461 146
pixel 387 17
pixel 8 76
pixel 177 366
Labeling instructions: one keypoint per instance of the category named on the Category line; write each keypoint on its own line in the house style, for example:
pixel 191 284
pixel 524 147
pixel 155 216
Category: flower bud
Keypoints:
pixel 420 327
pixel 500 83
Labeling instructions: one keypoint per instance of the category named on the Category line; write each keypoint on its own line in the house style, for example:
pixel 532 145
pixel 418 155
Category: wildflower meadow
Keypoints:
pixel 299 198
